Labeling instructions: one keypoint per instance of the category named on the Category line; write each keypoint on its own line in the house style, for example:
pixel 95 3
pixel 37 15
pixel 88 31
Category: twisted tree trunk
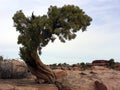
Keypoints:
pixel 37 68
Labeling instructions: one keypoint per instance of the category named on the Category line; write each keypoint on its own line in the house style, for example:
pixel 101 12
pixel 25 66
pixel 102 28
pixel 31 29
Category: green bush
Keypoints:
pixel 1 57
pixel 111 64
pixel 83 66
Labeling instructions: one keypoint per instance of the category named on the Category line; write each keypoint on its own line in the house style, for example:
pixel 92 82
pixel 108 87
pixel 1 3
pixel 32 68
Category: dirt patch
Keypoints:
pixel 24 84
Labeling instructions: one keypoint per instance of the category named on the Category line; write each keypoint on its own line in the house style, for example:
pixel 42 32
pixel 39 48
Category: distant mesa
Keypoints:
pixel 100 62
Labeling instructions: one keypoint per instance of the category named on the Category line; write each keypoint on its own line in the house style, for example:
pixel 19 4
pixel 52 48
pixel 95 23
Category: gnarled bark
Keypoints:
pixel 37 68
pixel 40 70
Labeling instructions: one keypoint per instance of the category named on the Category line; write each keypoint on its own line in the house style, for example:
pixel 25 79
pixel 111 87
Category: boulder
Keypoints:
pixel 60 73
pixel 100 86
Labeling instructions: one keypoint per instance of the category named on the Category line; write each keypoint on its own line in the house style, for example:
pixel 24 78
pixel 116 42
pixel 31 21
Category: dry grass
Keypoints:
pixel 10 71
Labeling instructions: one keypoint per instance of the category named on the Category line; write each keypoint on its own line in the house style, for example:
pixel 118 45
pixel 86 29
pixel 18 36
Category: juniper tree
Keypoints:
pixel 37 31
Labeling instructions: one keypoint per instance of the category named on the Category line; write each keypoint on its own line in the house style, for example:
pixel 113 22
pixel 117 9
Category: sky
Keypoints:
pixel 100 41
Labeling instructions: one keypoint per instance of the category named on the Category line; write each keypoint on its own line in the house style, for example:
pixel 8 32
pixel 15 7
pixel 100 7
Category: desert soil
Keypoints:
pixel 76 80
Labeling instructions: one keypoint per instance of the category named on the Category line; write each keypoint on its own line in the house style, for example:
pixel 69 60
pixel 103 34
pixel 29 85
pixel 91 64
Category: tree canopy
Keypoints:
pixel 62 22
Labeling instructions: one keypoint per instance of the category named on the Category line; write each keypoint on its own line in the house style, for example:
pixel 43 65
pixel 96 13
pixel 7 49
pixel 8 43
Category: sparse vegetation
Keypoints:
pixel 53 66
pixel 111 64
pixel 83 66
pixel 73 65
pixel 60 64
pixel 1 58
pixel 9 71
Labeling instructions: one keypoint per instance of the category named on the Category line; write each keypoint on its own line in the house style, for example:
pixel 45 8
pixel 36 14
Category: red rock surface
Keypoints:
pixel 108 77
pixel 60 73
pixel 74 79
pixel 100 62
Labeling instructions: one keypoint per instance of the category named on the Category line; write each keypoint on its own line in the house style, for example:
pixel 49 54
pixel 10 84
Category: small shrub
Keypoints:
pixel 9 71
pixel 83 66
pixel 59 64
pixel 1 57
pixel 5 70
pixel 74 65
pixel 111 64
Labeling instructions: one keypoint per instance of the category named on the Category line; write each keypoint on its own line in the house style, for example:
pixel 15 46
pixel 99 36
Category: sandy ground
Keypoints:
pixel 76 80
pixel 24 84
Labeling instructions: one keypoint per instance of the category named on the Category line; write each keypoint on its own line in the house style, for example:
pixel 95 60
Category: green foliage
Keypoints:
pixel 37 31
pixel 111 64
pixel 1 57
pixel 73 65
pixel 60 64
pixel 54 64
pixel 83 66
